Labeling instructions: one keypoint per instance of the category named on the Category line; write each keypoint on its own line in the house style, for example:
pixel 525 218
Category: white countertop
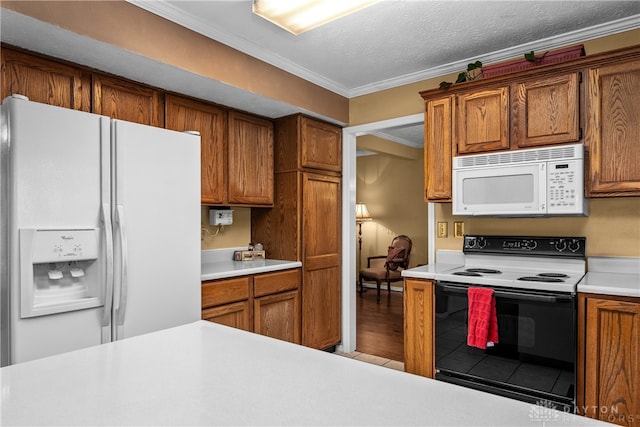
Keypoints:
pixel 445 260
pixel 612 276
pixel 219 264
pixel 208 374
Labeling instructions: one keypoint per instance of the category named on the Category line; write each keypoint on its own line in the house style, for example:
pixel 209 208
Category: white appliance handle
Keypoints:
pixel 108 293
pixel 122 303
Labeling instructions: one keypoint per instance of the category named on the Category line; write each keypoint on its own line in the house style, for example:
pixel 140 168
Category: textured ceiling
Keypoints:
pixel 386 45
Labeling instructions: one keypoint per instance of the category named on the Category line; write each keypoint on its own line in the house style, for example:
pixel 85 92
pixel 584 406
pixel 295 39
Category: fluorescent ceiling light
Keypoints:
pixel 298 16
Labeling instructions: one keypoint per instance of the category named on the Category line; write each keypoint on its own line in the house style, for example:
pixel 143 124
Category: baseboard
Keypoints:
pixel 383 287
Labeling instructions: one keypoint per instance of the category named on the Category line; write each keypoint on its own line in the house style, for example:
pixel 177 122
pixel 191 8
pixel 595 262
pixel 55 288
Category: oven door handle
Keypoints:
pixel 511 294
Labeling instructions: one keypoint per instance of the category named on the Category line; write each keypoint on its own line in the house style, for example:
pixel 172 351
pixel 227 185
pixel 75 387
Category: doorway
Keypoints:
pixel 349 249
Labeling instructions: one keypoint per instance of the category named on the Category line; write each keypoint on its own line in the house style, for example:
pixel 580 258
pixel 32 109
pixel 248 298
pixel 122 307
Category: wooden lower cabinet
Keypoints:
pixel 609 358
pixel 267 304
pixel 277 315
pixel 236 315
pixel 419 327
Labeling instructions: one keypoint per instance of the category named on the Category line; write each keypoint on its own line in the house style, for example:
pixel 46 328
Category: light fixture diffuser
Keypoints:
pixel 298 16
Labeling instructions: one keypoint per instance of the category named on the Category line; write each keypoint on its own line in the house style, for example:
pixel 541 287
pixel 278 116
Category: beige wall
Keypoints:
pixel 391 187
pixel 131 28
pixel 612 227
pixel 229 236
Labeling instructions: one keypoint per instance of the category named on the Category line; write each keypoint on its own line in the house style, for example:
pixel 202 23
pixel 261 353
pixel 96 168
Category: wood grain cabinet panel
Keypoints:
pixel 224 291
pixel 184 114
pixel 321 145
pixel 546 111
pixel 609 362
pixel 438 152
pixel 613 130
pixel 45 81
pixel 482 119
pixel 250 161
pixel 124 100
pixel 236 315
pixel 278 316
pixel 419 327
pixel 305 223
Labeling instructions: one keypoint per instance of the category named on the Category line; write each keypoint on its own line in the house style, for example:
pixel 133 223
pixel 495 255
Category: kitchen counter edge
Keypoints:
pixel 227 269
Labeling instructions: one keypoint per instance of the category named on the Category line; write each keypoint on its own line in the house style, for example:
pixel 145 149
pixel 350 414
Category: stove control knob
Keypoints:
pixel 574 245
pixel 470 242
pixel 481 242
pixel 561 245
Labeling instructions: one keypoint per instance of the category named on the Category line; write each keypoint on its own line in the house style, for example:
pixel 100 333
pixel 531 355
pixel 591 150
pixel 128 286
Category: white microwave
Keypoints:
pixel 533 182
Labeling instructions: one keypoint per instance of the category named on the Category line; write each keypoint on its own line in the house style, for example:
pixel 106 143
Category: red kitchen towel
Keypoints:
pixel 483 320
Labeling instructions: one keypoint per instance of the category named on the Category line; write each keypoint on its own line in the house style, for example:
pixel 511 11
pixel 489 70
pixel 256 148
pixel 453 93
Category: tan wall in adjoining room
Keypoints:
pixel 612 227
pixel 391 187
pixel 230 236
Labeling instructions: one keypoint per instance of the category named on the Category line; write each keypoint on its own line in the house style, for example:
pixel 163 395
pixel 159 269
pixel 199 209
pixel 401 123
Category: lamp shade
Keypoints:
pixel 362 214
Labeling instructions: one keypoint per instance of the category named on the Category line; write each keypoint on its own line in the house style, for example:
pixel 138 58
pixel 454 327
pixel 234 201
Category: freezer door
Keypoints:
pixel 55 182
pixel 156 212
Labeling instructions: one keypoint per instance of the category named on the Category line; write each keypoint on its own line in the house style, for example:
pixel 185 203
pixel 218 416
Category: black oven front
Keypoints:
pixel 535 357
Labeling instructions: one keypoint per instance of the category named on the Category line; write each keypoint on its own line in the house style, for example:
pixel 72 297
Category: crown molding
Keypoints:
pixel 172 13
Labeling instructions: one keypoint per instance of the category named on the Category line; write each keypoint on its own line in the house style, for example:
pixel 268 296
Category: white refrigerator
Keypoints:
pixel 100 229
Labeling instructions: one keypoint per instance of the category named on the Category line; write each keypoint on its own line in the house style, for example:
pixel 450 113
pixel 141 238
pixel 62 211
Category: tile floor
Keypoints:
pixel 375 360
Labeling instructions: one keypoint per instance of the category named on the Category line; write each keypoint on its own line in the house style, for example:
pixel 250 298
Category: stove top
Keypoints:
pixel 535 263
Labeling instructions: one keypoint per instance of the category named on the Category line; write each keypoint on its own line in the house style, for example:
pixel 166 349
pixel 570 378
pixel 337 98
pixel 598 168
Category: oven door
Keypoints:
pixel 534 359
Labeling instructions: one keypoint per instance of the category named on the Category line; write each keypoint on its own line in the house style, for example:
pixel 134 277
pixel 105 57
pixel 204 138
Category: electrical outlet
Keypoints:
pixel 442 229
pixel 458 229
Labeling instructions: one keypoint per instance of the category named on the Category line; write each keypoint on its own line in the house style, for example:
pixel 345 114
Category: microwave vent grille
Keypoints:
pixel 518 156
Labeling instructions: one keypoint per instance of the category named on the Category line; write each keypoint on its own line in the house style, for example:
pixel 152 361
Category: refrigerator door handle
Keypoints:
pixel 122 303
pixel 108 237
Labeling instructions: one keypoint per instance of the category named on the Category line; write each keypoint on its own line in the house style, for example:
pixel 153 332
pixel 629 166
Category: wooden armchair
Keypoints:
pixel 387 268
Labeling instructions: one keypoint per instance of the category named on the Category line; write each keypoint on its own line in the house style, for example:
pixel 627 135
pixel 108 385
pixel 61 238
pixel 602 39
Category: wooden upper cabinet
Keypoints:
pixel 613 130
pixel 45 81
pixel 482 119
pixel 546 111
pixel 184 114
pixel 250 161
pixel 321 145
pixel 438 137
pixel 124 100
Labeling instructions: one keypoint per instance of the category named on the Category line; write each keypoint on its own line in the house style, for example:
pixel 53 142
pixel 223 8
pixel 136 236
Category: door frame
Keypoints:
pixel 349 135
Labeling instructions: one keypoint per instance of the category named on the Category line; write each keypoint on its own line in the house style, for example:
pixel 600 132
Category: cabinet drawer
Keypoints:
pixel 271 283
pixel 224 291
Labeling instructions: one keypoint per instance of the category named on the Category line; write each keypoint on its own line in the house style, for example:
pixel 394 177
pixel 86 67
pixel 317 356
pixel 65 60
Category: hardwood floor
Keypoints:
pixel 380 327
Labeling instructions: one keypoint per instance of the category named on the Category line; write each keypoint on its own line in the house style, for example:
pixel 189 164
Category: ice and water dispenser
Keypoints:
pixel 59 271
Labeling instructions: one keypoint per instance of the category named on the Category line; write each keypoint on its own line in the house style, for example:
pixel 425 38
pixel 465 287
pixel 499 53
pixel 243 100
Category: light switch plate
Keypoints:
pixel 442 229
pixel 458 229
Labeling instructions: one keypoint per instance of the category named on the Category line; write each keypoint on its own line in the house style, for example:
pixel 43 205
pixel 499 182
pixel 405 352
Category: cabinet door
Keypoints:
pixel 45 81
pixel 438 149
pixel 612 360
pixel 419 327
pixel 546 111
pixel 125 100
pixel 184 114
pixel 613 130
pixel 236 315
pixel 250 160
pixel 483 121
pixel 321 145
pixel 278 316
pixel 321 286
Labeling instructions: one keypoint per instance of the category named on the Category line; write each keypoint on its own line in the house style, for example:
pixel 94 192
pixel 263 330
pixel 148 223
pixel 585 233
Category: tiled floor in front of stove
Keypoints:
pixel 375 360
